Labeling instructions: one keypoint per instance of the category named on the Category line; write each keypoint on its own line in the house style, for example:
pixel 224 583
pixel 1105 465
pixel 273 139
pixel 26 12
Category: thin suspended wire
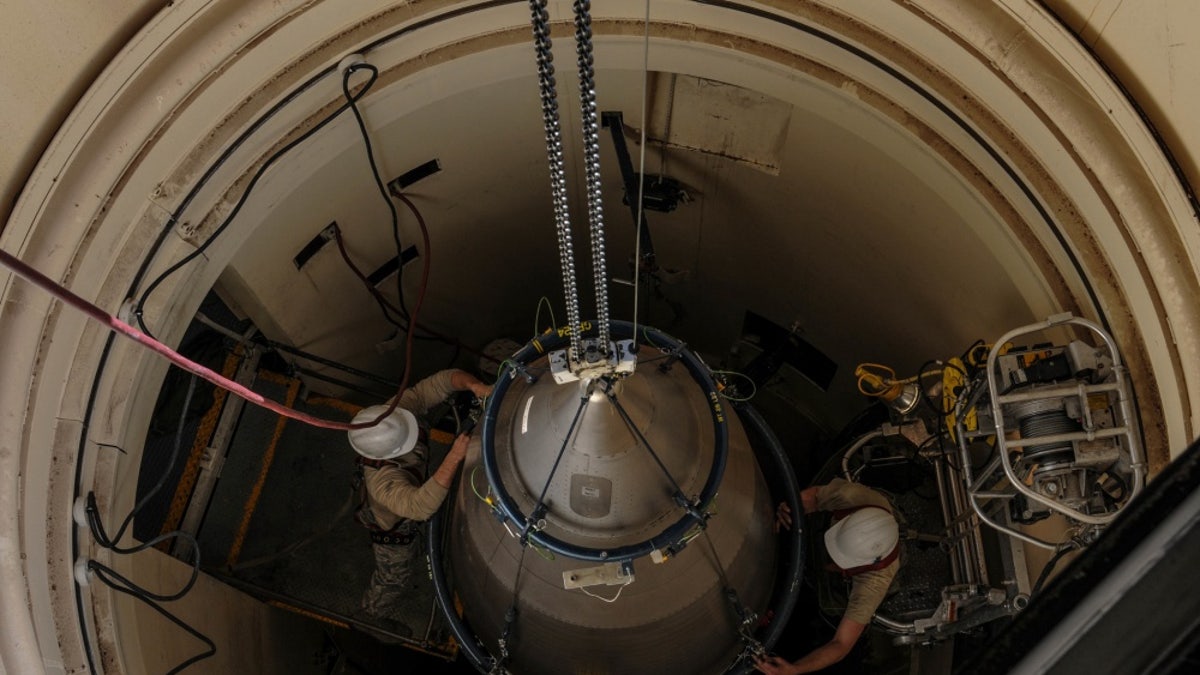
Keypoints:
pixel 637 250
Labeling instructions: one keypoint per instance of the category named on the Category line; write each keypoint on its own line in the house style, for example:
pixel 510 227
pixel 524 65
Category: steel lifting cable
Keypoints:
pixel 540 21
pixel 591 151
pixel 745 616
pixel 641 197
pixel 591 155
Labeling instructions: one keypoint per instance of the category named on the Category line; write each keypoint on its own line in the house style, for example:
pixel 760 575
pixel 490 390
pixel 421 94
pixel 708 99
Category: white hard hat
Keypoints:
pixel 395 435
pixel 862 538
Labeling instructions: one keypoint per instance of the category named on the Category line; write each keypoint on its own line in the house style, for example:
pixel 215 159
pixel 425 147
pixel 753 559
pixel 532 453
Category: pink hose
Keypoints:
pixel 116 325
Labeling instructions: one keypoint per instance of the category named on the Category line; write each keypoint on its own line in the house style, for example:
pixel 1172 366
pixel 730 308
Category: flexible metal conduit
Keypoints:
pixel 476 652
pixel 787 588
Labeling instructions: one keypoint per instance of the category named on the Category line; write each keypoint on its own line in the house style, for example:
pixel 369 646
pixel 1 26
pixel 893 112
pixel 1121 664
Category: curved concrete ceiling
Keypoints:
pixel 935 172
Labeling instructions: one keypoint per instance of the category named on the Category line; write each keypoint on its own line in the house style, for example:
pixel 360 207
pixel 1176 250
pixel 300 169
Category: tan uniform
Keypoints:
pixel 398 493
pixel 867 590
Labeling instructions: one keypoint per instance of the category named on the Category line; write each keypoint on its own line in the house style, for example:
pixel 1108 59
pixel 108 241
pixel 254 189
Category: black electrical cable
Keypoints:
pixel 237 207
pixel 383 192
pixel 117 581
pixel 96 526
pixel 103 573
pixel 289 99
pixel 1050 565
pixel 162 479
pixel 385 307
pixel 351 101
pixel 939 409
pixel 161 597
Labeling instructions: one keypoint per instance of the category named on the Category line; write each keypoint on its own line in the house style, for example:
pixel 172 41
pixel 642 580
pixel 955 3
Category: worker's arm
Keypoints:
pixel 461 380
pixel 396 490
pixel 808 498
pixel 434 389
pixel 444 475
pixel 783 512
pixel 848 632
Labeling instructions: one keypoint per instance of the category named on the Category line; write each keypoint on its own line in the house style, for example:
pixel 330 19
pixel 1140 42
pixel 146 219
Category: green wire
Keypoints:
pixel 538 315
pixel 499 370
pixel 753 388
pixel 540 550
pixel 475 489
pixel 646 334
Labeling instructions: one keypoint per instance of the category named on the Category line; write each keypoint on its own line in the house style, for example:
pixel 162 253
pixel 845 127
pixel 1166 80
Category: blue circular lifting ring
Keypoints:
pixel 673 534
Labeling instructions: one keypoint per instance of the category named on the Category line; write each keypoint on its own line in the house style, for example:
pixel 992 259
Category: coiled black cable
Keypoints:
pixel 237 207
pixel 122 584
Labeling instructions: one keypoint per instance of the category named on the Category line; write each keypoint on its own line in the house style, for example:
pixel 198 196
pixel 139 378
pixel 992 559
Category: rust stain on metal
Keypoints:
pixel 307 613
pixel 337 404
pixel 239 539
pixel 59 524
pixel 191 470
pixel 274 378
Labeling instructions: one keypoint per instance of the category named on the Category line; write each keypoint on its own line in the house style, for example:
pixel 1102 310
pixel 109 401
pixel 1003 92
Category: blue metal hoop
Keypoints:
pixel 671 535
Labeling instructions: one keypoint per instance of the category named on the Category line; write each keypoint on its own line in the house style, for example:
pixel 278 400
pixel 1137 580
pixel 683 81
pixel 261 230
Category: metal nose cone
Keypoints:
pixel 610 465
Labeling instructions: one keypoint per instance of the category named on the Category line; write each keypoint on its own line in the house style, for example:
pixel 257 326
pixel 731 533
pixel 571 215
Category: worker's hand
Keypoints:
pixel 458 451
pixel 783 517
pixel 446 471
pixel 773 665
pixel 481 390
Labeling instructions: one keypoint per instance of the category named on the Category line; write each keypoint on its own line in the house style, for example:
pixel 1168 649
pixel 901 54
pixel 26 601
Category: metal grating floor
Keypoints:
pixel 280 524
pixel 925 568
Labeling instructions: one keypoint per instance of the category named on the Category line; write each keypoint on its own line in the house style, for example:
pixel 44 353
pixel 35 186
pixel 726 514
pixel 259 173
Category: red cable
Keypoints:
pixel 116 325
pixel 412 318
pixel 380 298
